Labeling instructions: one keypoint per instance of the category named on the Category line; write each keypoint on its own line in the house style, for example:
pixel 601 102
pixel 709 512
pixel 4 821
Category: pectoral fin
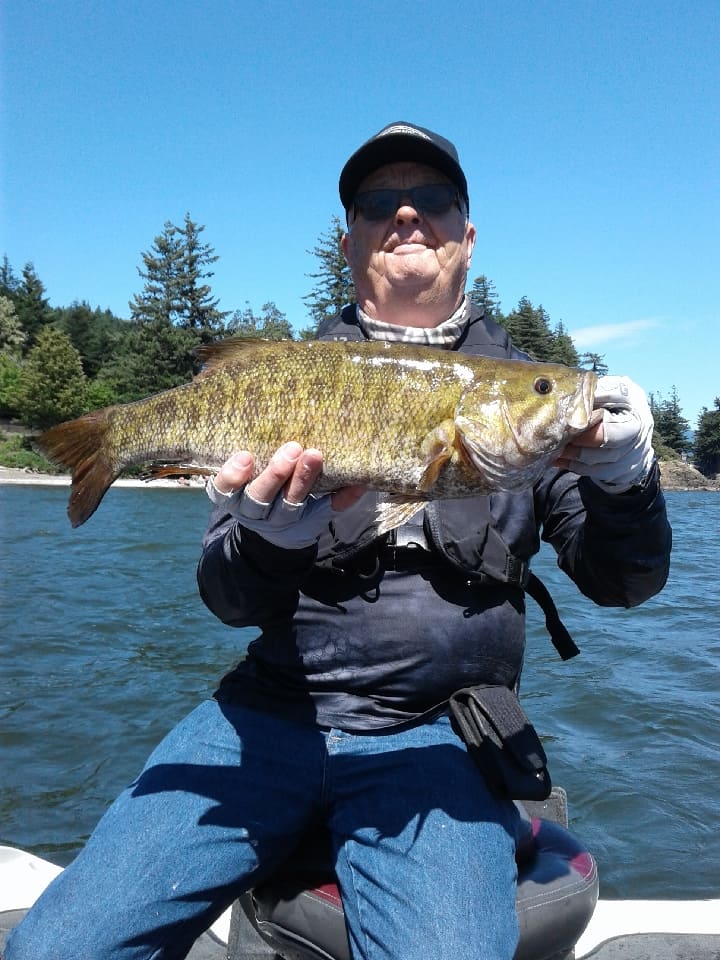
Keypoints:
pixel 437 448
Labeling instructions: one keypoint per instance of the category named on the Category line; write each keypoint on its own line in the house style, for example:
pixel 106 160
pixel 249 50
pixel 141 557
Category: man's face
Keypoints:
pixel 411 255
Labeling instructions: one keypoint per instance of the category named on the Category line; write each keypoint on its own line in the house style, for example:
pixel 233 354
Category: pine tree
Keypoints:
pixel 563 349
pixel 274 323
pixel 484 294
pixel 174 293
pixel 171 316
pixel 12 335
pixel 706 449
pixel 334 286
pixel 529 330
pixel 52 383
pixel 150 357
pixel 594 362
pixel 93 333
pixel 161 299
pixel 8 281
pixel 199 310
pixel 31 305
pixel 10 370
pixel 271 324
pixel 670 424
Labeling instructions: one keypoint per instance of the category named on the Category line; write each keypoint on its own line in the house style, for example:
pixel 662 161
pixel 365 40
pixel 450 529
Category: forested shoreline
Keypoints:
pixel 60 362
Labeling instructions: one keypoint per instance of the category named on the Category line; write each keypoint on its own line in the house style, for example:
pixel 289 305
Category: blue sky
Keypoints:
pixel 589 132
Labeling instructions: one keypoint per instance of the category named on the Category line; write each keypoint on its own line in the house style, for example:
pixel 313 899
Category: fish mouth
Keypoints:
pixel 582 413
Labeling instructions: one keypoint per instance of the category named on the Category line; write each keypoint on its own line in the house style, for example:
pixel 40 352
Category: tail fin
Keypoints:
pixel 80 445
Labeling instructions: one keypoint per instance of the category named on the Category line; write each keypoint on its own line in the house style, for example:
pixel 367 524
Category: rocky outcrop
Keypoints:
pixel 678 475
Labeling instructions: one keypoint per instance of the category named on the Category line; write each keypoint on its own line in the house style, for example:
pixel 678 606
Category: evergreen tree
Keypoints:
pixel 563 349
pixel 707 441
pixel 8 281
pixel 171 316
pixel 174 292
pixel 199 310
pixel 594 362
pixel 10 369
pixel 274 323
pixel 150 357
pixel 245 324
pixel 529 329
pixel 93 333
pixel 670 424
pixel 271 324
pixel 31 305
pixel 334 286
pixel 98 394
pixel 161 299
pixel 52 383
pixel 12 336
pixel 484 294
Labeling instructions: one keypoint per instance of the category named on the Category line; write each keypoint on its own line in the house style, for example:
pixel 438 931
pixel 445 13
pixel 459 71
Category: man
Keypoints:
pixel 338 715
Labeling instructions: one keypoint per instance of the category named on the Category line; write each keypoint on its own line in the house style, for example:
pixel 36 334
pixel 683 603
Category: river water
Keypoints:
pixel 105 645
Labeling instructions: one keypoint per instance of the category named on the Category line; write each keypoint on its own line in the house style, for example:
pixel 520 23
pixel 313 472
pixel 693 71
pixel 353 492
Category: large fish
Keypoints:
pixel 416 422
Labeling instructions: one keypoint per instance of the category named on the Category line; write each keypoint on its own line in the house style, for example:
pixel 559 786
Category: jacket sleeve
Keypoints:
pixel 615 547
pixel 246 581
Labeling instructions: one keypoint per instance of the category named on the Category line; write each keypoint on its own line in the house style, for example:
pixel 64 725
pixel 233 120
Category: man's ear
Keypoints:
pixel 471 235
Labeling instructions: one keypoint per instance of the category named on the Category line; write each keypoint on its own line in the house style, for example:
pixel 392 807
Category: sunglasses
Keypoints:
pixel 433 200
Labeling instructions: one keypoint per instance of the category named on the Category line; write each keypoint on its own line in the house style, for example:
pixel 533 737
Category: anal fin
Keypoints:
pixel 395 511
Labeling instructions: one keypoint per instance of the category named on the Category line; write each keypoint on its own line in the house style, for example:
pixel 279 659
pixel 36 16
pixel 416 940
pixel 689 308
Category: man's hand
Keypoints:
pixel 616 450
pixel 278 504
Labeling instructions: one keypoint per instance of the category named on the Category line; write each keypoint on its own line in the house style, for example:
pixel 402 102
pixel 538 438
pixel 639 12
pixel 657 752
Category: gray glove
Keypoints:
pixel 626 455
pixel 288 525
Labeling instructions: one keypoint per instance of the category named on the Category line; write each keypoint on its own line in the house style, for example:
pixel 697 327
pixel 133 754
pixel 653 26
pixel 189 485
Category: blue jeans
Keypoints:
pixel 425 854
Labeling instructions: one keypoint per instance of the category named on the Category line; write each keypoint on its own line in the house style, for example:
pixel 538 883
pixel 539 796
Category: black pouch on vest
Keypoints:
pixel 502 741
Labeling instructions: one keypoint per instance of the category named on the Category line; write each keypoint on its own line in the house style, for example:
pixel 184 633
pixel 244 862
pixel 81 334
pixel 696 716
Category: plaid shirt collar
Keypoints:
pixel 445 334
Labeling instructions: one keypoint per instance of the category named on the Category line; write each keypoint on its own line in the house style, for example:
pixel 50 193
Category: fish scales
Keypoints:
pixel 341 405
pixel 412 421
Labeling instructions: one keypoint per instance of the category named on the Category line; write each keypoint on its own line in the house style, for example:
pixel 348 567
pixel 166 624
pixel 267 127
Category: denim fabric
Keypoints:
pixel 425 855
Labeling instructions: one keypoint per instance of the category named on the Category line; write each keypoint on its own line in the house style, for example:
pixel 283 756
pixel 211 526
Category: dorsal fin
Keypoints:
pixel 213 355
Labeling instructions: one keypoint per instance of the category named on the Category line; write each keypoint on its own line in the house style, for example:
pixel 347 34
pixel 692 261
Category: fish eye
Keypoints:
pixel 543 386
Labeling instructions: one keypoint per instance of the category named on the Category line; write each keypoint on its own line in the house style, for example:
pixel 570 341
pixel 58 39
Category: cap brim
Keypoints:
pixel 395 148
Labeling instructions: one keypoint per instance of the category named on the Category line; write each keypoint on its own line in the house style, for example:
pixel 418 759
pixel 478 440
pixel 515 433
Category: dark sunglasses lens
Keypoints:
pixel 434 199
pixel 377 204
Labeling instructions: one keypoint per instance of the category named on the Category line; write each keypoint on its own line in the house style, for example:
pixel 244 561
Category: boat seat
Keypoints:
pixel 298 914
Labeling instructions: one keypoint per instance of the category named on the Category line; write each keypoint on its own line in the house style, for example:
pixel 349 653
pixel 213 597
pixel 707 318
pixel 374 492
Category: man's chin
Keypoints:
pixel 412 264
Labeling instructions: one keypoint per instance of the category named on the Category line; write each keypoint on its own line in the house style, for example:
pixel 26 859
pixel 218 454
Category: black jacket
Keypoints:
pixel 350 645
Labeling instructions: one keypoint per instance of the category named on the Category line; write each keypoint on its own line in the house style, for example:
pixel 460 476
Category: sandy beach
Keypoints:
pixel 11 475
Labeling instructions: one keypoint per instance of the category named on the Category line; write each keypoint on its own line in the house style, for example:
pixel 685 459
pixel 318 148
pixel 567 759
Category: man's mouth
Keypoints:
pixel 414 244
pixel 410 248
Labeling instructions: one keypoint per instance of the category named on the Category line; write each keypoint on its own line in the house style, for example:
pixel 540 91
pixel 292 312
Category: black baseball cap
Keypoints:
pixel 401 141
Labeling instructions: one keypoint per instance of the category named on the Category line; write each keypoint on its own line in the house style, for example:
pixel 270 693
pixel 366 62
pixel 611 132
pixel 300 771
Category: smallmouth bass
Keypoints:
pixel 415 422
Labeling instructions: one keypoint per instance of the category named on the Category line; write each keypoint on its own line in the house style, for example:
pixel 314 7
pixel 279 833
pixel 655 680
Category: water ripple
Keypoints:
pixel 106 645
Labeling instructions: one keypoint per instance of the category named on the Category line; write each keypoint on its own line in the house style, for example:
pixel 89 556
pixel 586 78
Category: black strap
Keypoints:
pixel 561 639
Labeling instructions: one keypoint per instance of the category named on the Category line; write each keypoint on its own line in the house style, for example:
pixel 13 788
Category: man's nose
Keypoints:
pixel 407 212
